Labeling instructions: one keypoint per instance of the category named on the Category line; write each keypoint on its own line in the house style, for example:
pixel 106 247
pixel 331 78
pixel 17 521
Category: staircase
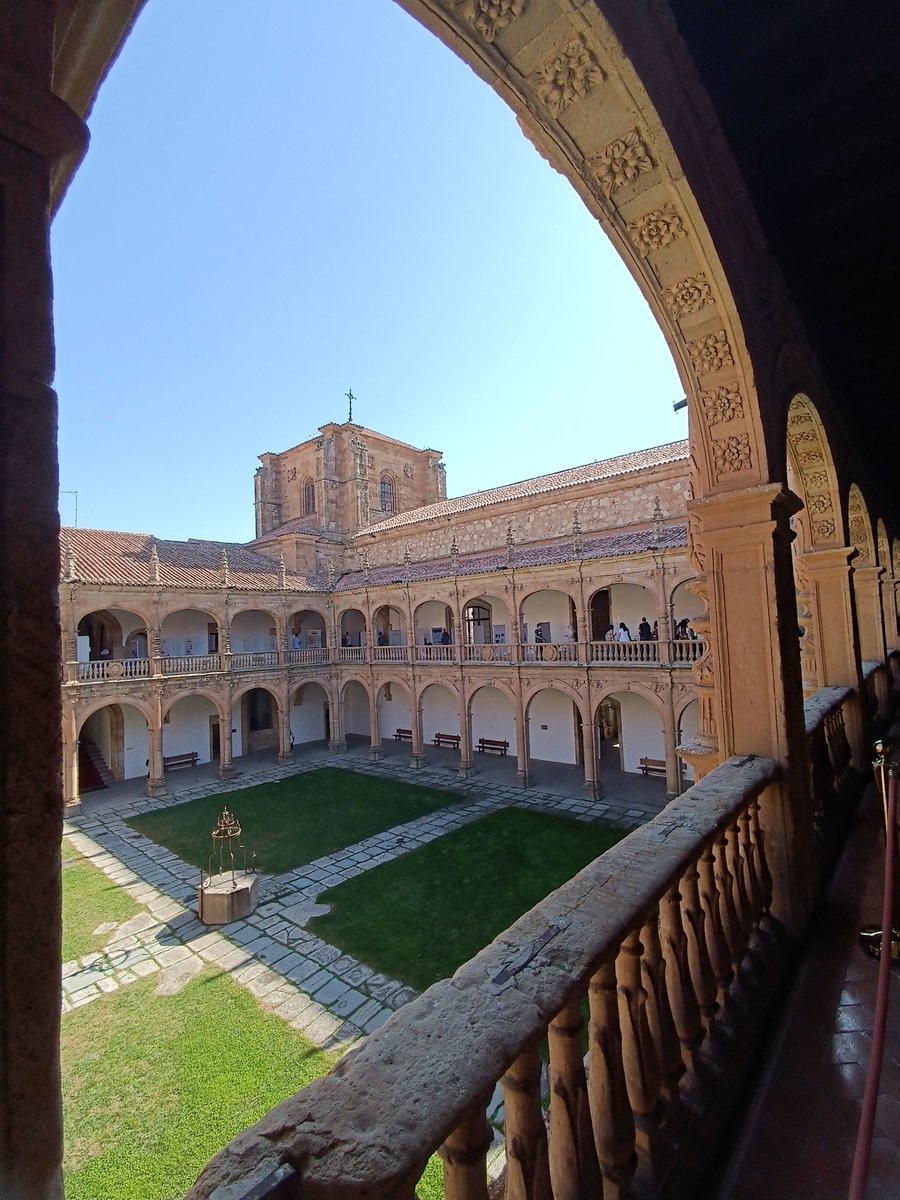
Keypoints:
pixel 93 773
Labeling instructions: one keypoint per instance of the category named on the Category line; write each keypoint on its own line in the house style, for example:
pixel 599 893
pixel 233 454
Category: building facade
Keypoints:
pixel 510 617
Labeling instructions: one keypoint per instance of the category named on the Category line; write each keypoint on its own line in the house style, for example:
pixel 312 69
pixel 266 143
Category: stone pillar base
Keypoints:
pixel 339 747
pixel 284 759
pixel 417 760
pixel 593 791
pixel 376 754
pixel 465 770
pixel 156 787
pixel 73 808
pixel 524 779
pixel 226 773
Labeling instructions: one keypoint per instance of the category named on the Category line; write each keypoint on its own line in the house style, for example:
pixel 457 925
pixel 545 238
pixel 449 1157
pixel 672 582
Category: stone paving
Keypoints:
pixel 329 996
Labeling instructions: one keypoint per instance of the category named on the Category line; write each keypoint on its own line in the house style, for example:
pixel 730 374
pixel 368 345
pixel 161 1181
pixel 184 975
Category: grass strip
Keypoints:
pixel 295 820
pixel 422 915
pixel 89 901
pixel 154 1086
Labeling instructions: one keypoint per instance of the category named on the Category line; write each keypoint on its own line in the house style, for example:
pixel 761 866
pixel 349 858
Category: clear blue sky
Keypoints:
pixel 286 199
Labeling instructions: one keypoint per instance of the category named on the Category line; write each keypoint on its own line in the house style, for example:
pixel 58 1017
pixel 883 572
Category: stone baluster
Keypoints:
pixel 751 884
pixel 743 906
pixel 760 862
pixel 465 1157
pixel 639 1055
pixel 717 943
pixel 680 985
pixel 527 1162
pixel 659 1010
pixel 611 1115
pixel 728 912
pixel 695 922
pixel 574 1170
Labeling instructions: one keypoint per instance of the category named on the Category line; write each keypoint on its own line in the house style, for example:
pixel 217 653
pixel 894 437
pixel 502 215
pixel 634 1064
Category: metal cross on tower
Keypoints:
pixel 351 398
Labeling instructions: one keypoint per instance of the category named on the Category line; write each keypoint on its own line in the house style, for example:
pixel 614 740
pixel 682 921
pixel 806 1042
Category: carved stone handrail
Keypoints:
pixel 656 935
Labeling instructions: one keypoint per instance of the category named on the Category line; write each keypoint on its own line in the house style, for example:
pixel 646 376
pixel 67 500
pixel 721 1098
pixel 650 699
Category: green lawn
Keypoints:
pixel 422 915
pixel 154 1086
pixel 295 820
pixel 89 901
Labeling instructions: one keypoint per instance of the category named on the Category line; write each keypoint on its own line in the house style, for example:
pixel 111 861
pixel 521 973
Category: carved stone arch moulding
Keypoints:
pixel 859 528
pixel 884 546
pixel 812 474
pixel 579 99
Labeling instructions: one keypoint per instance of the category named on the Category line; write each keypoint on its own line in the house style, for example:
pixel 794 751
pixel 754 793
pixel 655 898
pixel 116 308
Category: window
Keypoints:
pixel 388 498
pixel 309 497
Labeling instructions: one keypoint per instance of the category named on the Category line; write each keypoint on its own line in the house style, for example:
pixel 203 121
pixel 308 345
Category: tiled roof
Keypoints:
pixel 104 556
pixel 298 525
pixel 596 472
pixel 610 546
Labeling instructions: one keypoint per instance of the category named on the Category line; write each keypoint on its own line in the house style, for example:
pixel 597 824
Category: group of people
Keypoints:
pixel 646 631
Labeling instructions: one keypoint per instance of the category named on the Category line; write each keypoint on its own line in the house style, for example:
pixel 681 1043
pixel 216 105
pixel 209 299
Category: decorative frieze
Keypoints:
pixel 823 529
pixel 711 352
pixel 657 229
pixel 819 504
pixel 488 17
pixel 732 454
pixel 688 296
pixel 722 404
pixel 568 76
pixel 621 162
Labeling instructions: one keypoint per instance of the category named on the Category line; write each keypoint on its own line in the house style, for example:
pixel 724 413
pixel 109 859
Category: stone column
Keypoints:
pixel 831 612
pixel 524 777
pixel 591 788
pixel 673 771
pixel 870 619
pixel 417 757
pixel 36 131
pixel 337 740
pixel 71 787
pixel 156 776
pixel 375 750
pixel 745 546
pixel 662 610
pixel 285 750
pixel 226 764
pixel 466 765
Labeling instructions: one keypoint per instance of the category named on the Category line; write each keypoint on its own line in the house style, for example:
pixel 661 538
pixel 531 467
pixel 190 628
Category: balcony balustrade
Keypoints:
pixel 664 942
pixel 558 654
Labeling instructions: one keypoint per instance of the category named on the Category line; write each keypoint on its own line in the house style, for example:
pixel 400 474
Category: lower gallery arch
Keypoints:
pixel 113 744
pixel 554 728
pixel 630 728
pixel 310 714
pixel 257 727
pixel 192 724
pixel 394 705
pixel 492 716
pixel 440 712
pixel 688 722
pixel 355 708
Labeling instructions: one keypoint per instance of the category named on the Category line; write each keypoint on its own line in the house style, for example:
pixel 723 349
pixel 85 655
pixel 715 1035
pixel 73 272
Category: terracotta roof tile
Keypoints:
pixel 105 556
pixel 609 468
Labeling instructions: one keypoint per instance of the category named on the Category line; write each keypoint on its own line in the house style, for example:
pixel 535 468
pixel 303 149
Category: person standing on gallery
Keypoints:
pixel 624 634
pixel 645 633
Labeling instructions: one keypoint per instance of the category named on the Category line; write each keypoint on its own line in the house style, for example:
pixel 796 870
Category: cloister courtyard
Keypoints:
pixel 416 880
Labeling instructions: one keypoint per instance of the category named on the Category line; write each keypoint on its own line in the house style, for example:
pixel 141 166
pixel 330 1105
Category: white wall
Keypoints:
pixel 686 604
pixel 129 622
pixel 96 730
pixel 556 743
pixel 439 712
pixel 188 728
pixel 687 728
pixel 181 627
pixel 431 615
pixel 394 713
pixel 356 710
pixel 250 632
pixel 629 602
pixel 492 717
pixel 641 735
pixel 549 606
pixel 137 742
pixel 308 718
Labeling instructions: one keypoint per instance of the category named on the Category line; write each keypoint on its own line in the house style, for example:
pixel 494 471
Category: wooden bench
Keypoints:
pixel 492 744
pixel 447 739
pixel 403 735
pixel 180 760
pixel 653 766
